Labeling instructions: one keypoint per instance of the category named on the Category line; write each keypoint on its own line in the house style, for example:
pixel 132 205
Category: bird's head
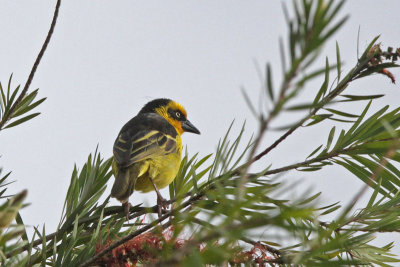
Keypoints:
pixel 173 112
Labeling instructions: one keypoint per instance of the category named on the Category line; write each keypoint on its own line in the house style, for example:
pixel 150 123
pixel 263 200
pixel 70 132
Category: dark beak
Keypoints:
pixel 187 126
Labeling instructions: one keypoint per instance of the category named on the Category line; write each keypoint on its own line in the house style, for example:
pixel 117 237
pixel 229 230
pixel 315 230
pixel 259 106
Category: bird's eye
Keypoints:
pixel 178 115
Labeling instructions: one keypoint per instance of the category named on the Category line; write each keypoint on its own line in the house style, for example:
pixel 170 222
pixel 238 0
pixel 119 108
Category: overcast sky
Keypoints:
pixel 108 58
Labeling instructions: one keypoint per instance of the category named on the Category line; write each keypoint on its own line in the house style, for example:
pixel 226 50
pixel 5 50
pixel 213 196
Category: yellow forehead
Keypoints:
pixel 176 106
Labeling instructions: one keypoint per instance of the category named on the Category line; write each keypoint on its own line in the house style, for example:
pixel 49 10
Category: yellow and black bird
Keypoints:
pixel 147 151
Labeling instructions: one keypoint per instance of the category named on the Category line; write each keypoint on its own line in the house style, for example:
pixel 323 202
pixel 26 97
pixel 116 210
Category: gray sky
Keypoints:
pixel 108 58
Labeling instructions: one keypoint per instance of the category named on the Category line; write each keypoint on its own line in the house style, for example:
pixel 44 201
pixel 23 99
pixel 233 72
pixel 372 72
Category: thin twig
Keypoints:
pixel 289 77
pixel 351 76
pixel 382 163
pixel 140 231
pixel 50 237
pixel 244 239
pixel 268 248
pixel 34 68
pixel 124 240
pixel 291 130
pixel 135 211
pixel 215 233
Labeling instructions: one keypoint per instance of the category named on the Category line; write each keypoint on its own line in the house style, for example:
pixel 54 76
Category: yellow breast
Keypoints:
pixel 162 170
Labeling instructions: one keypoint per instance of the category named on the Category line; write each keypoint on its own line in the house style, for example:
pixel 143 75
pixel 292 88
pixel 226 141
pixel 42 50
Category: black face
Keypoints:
pixel 176 114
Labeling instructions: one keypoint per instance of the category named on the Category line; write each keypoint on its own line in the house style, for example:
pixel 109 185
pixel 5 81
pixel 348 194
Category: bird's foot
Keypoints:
pixel 127 206
pixel 162 205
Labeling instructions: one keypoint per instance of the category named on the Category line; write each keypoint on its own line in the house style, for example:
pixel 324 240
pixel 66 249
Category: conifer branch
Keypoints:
pixel 140 231
pixel 34 67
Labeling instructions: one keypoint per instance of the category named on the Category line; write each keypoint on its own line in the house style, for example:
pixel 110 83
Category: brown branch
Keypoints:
pixel 34 68
pixel 289 77
pixel 140 231
pixel 124 240
pixel 295 127
pixel 341 86
pixel 137 211
pixel 268 248
pixel 244 239
pixel 215 233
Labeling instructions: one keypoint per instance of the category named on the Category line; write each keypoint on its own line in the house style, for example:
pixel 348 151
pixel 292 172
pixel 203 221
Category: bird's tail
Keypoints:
pixel 123 186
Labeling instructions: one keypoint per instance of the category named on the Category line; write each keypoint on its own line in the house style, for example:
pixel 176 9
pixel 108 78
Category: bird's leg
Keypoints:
pixel 127 206
pixel 162 203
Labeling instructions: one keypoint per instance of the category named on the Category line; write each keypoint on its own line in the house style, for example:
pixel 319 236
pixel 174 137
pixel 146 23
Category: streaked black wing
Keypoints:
pixel 145 136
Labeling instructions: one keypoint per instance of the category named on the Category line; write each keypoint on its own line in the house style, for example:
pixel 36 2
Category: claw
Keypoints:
pixel 162 203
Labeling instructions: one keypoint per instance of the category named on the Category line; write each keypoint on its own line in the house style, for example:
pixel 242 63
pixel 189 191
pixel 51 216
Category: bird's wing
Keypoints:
pixel 143 143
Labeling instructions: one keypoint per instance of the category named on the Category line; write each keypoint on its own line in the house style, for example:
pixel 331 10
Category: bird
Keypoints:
pixel 147 151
